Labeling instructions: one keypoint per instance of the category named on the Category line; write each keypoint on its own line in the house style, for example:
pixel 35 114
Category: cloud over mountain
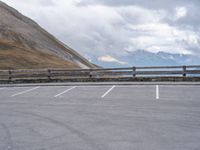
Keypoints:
pixel 111 27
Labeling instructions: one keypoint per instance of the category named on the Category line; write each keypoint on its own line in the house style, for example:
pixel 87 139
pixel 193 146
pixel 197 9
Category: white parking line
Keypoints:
pixel 65 91
pixel 108 91
pixel 157 92
pixel 26 91
pixel 2 88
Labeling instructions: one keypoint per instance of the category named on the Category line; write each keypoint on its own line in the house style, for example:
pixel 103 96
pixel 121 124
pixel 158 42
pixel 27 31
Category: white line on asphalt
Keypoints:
pixel 108 91
pixel 2 88
pixel 65 91
pixel 157 92
pixel 23 92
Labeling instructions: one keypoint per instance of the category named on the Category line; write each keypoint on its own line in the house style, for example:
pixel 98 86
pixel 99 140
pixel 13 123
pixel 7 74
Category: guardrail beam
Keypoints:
pixel 158 71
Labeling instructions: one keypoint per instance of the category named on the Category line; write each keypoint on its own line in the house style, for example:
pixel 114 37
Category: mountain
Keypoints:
pixel 25 45
pixel 145 58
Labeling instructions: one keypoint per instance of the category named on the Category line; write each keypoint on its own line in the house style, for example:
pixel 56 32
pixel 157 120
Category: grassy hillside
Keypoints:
pixel 15 56
pixel 24 44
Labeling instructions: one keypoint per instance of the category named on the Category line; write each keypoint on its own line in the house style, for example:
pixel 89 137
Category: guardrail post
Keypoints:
pixel 184 71
pixel 134 71
pixel 10 74
pixel 90 73
pixel 49 74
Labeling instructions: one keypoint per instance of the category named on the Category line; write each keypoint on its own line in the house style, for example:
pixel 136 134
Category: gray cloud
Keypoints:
pixel 101 27
pixel 155 4
pixel 46 2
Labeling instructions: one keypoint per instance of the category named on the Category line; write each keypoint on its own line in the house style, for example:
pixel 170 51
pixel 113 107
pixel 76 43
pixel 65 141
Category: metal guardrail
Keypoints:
pixel 160 71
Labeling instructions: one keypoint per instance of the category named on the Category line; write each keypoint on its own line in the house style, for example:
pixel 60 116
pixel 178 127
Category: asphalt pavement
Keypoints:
pixel 100 117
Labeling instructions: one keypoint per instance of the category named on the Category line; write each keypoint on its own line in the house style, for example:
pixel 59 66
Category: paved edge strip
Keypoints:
pixel 101 84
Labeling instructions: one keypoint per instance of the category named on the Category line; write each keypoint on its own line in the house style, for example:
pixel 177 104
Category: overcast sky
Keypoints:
pixel 113 27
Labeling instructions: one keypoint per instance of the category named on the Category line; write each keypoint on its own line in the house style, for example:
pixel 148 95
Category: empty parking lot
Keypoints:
pixel 100 117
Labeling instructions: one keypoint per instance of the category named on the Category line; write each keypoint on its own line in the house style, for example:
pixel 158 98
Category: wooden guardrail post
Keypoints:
pixel 49 74
pixel 90 73
pixel 10 75
pixel 134 71
pixel 184 71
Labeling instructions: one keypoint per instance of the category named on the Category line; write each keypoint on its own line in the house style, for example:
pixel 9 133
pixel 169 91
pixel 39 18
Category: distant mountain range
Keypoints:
pixel 25 45
pixel 145 58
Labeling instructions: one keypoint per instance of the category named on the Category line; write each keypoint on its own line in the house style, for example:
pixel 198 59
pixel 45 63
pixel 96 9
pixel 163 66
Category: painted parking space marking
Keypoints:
pixel 108 91
pixel 58 95
pixel 26 91
pixel 157 92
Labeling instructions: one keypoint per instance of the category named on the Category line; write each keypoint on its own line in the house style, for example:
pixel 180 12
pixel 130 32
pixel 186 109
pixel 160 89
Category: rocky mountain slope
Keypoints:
pixel 25 45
